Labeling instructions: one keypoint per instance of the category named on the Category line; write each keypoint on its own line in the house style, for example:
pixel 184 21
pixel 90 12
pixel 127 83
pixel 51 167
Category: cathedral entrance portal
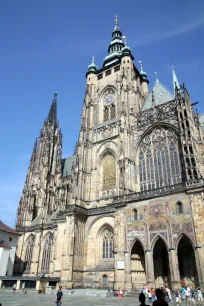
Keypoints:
pixel 138 266
pixel 161 264
pixel 187 263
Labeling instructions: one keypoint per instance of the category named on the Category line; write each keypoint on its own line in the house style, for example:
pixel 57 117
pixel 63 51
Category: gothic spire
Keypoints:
pixel 34 149
pixel 52 116
pixel 176 84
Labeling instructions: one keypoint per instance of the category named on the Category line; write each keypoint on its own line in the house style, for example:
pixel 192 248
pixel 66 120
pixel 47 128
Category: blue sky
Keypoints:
pixel 47 45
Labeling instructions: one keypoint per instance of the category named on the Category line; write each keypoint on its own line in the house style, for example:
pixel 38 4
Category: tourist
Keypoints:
pixel 120 293
pixel 159 301
pixel 166 295
pixel 200 296
pixel 169 294
pixel 178 297
pixel 146 290
pixel 187 295
pixel 14 288
pixel 23 287
pixel 59 296
pixel 142 299
pixel 153 294
pixel 150 297
pixel 192 295
pixel 183 296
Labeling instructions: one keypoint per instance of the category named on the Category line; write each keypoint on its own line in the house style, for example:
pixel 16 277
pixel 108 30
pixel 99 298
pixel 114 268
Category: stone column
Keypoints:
pixel 149 268
pixel 174 269
pixel 199 257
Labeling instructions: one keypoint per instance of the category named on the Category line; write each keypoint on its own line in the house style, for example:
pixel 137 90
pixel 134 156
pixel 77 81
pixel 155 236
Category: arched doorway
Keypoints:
pixel 104 281
pixel 187 263
pixel 161 264
pixel 138 266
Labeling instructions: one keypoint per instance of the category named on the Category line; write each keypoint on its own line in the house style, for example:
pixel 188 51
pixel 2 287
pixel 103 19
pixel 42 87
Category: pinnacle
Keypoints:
pixel 52 116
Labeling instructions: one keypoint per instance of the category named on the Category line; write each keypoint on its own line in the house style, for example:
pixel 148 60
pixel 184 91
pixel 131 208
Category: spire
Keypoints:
pixel 116 23
pixel 142 72
pixel 52 116
pixel 34 150
pixel 176 84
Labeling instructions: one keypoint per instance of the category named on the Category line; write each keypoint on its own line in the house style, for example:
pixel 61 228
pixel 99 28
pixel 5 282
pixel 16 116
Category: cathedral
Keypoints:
pixel 127 209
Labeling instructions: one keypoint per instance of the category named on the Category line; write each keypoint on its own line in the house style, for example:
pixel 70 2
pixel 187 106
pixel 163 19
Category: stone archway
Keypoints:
pixel 161 264
pixel 138 275
pixel 104 281
pixel 187 263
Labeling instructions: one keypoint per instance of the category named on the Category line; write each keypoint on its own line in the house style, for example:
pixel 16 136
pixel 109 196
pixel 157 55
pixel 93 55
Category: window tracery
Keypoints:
pixel 29 253
pixel 109 171
pixel 179 208
pixel 47 250
pixel 109 109
pixel 159 159
pixel 108 244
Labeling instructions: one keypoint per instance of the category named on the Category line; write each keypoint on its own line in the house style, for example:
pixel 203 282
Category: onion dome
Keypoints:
pixel 142 72
pixel 125 50
pixel 92 66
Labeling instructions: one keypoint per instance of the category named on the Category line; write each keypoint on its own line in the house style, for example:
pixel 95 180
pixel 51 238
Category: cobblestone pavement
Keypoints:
pixel 33 299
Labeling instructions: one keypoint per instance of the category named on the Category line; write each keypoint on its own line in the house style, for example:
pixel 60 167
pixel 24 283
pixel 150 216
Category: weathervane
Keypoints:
pixel 141 67
pixel 125 40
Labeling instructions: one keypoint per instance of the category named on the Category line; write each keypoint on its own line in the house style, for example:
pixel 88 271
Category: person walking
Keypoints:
pixel 183 296
pixel 200 296
pixel 23 288
pixel 120 293
pixel 150 297
pixel 169 294
pixel 153 294
pixel 142 298
pixel 14 288
pixel 59 296
pixel 178 297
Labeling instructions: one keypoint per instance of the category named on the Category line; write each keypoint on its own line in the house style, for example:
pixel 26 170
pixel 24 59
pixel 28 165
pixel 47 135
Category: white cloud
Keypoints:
pixel 178 30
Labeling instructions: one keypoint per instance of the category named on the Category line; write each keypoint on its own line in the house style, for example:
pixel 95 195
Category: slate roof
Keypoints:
pixel 4 245
pixel 161 96
pixel 67 165
pixel 201 120
pixel 7 229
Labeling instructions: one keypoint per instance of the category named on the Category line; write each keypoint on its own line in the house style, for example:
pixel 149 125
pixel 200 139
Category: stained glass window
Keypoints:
pixel 29 253
pixel 46 254
pixel 159 159
pixel 108 244
pixel 112 112
pixel 106 114
pixel 109 171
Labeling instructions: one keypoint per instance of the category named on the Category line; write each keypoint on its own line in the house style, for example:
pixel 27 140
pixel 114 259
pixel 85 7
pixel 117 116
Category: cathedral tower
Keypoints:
pixel 39 194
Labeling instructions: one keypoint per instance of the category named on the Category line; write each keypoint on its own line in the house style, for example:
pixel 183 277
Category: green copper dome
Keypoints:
pixel 142 72
pixel 125 49
pixel 92 66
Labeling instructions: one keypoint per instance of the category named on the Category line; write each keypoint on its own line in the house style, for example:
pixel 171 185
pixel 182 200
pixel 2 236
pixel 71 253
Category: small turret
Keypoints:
pixel 92 67
pixel 125 50
pixel 142 72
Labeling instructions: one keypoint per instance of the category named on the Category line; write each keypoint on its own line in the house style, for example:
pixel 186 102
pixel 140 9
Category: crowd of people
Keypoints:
pixel 164 295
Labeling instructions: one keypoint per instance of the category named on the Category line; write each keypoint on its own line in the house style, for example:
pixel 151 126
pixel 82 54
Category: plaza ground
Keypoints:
pixel 7 298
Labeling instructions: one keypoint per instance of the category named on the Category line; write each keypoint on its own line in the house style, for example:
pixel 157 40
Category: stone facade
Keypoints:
pixel 127 209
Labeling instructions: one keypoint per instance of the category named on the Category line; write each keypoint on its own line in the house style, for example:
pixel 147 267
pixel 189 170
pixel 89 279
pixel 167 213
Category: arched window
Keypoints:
pixel 47 250
pixel 106 114
pixel 29 253
pixel 159 159
pixel 179 208
pixel 135 215
pixel 109 171
pixel 108 244
pixel 112 112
